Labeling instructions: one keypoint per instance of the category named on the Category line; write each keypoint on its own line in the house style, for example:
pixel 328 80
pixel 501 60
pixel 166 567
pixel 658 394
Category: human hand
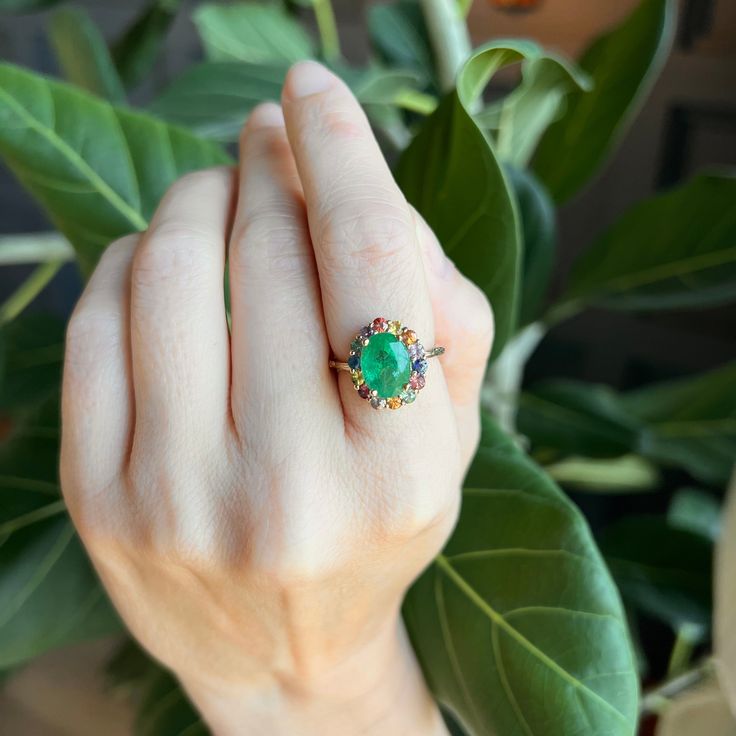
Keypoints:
pixel 254 521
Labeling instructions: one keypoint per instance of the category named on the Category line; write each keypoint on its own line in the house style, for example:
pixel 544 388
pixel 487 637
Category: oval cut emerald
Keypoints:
pixel 386 364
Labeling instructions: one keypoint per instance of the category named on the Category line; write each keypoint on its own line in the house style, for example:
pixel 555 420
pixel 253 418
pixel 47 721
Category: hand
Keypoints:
pixel 254 521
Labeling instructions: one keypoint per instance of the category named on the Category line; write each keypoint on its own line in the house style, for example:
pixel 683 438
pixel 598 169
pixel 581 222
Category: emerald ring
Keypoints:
pixel 387 364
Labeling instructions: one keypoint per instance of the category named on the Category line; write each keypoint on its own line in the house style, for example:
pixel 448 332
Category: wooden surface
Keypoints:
pixel 63 694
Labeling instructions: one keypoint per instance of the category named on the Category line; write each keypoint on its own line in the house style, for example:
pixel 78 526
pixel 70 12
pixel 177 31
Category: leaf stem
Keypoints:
pixel 39 514
pixel 688 635
pixel 506 373
pixel 34 248
pixel 658 698
pixel 414 101
pixel 327 27
pixel 28 291
pixel 562 311
pixel 449 36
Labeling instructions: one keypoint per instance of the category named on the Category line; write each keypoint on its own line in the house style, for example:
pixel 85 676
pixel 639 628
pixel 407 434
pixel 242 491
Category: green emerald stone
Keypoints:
pixel 385 364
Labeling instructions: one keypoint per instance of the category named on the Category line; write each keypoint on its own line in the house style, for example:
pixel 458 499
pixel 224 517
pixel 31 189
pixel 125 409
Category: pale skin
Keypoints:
pixel 254 521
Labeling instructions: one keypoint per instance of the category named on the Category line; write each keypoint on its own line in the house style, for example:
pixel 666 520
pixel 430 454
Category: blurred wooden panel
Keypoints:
pixel 63 694
pixel 708 26
pixel 565 25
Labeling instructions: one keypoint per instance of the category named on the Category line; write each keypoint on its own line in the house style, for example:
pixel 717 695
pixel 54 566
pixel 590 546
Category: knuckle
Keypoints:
pixel 269 142
pixel 271 243
pixel 421 517
pixel 375 238
pixel 90 334
pixel 172 250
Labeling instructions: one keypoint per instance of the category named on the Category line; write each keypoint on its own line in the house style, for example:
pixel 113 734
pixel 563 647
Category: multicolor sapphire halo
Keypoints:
pixel 387 364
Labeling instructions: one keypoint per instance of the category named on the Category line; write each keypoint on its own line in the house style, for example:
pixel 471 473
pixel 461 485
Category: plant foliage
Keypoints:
pixel 518 624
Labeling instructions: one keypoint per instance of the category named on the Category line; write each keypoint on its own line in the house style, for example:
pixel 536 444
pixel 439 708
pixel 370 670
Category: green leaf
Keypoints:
pixel 574 418
pixel 451 175
pixel 25 6
pixel 623 64
pixel 675 250
pixel 165 709
pixel 517 625
pixel 660 569
pixel 33 346
pixel 83 54
pixel 527 112
pixel 690 423
pixel 136 51
pixel 214 98
pixel 399 35
pixel 697 511
pixel 539 231
pixel 247 31
pixel 49 594
pixel 98 171
pixel 377 85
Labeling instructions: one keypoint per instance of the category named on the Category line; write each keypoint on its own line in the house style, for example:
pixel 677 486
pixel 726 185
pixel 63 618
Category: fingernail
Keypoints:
pixel 308 78
pixel 266 115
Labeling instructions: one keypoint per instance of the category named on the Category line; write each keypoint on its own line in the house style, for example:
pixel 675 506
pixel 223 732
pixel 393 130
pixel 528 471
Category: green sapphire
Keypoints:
pixel 385 364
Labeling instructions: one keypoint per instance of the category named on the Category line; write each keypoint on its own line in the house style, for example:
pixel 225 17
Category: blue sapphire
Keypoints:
pixel 353 362
pixel 420 366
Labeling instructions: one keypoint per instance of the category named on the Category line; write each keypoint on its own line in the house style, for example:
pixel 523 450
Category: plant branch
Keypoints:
pixel 28 291
pixel 34 248
pixel 688 636
pixel 414 101
pixel 327 27
pixel 449 37
pixel 506 374
pixel 659 697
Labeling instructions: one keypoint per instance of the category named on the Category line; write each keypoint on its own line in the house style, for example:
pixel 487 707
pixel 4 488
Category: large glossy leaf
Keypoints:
pixel 574 418
pixel 690 423
pixel 517 624
pixel 98 171
pixel 399 34
pixel 725 615
pixel 697 511
pixel 527 112
pixel 25 6
pixel 452 176
pixel 661 569
pixel 31 347
pixel 136 51
pixel 623 65
pixel 214 98
pixel 249 31
pixel 675 250
pixel 83 54
pixel 539 232
pixel 49 594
